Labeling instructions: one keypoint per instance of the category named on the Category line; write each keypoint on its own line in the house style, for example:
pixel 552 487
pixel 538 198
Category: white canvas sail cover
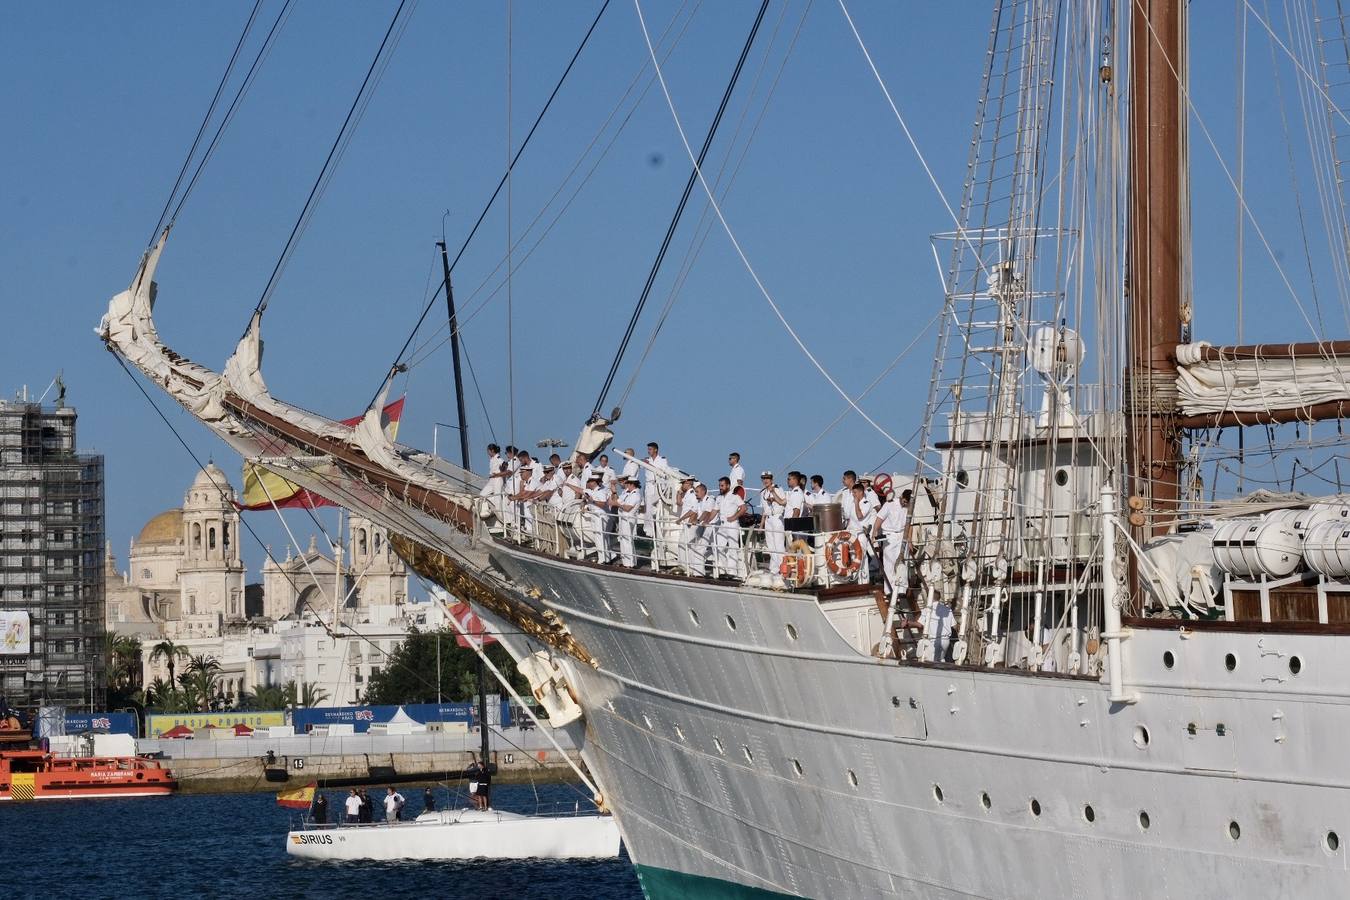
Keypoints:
pixel 1213 386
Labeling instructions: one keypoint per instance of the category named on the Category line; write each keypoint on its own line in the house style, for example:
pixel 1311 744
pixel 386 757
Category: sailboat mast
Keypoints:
pixel 1155 256
pixel 454 357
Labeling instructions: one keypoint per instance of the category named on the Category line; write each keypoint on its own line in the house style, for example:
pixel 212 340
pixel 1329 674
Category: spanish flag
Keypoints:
pixel 262 488
pixel 300 798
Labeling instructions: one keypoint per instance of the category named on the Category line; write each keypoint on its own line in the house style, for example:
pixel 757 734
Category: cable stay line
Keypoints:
pixel 679 210
pixel 239 95
pixel 501 183
pixel 328 161
pixel 206 120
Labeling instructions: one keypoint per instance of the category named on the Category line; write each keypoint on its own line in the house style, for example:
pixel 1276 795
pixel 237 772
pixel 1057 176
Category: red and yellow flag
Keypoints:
pixel 263 488
pixel 299 798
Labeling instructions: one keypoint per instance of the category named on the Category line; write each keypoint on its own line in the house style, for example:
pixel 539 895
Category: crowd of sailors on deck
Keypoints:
pixel 618 507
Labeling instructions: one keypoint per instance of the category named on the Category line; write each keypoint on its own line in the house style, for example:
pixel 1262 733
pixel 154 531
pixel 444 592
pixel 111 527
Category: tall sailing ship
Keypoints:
pixel 1113 671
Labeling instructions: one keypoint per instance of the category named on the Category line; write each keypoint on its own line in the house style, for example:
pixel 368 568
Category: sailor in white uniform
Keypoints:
pixel 529 487
pixel 774 503
pixel 730 508
pixel 631 469
pixel 492 490
pixel 859 516
pixel 737 473
pixel 701 546
pixel 817 493
pixel 597 510
pixel 688 521
pixel 795 502
pixel 627 505
pixel 652 472
pixel 891 521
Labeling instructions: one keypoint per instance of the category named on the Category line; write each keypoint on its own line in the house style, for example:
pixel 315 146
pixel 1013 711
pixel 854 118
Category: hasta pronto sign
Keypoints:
pixel 159 723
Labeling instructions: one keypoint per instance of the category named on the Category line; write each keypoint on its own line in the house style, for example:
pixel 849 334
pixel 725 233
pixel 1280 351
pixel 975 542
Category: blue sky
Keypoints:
pixel 100 102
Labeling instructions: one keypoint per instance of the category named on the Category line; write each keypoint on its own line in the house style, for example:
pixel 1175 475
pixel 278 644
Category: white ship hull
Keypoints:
pixel 463 834
pixel 933 781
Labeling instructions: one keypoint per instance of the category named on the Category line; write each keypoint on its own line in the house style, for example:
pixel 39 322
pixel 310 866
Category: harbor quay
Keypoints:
pixel 257 763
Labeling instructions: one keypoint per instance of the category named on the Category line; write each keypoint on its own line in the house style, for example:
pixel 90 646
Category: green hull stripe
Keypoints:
pixel 665 884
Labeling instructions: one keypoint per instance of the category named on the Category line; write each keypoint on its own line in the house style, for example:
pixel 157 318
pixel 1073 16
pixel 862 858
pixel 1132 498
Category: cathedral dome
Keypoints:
pixel 165 528
pixel 208 487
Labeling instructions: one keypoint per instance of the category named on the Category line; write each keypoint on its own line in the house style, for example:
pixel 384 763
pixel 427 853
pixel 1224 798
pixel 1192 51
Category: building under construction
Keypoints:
pixel 51 561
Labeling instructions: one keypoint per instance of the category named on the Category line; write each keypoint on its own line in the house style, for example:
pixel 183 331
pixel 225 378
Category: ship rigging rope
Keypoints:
pixel 268 42
pixel 206 120
pixel 342 136
pixel 502 182
pixel 704 227
pixel 427 347
pixel 745 260
pixel 679 207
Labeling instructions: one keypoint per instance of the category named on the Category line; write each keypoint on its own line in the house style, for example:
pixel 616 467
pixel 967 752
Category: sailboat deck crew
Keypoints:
pixel 775 503
pixel 627 504
pixel 630 465
pixel 353 807
pixel 730 508
pixel 393 805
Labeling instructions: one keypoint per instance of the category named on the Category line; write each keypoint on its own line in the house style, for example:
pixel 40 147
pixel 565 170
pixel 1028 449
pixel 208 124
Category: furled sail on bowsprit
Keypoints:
pixel 1264 383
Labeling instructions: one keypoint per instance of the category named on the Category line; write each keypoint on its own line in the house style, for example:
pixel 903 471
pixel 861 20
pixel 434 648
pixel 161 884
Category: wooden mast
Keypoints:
pixel 1155 258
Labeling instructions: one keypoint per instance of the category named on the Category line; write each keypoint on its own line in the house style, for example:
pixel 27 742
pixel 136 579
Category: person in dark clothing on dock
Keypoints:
pixel 428 800
pixel 319 814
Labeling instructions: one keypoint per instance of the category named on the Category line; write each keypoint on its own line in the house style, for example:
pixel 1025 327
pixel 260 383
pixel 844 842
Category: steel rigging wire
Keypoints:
pixel 500 184
pixel 679 210
pixel 206 120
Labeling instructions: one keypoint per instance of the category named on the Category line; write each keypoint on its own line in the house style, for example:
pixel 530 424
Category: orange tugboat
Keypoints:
pixel 38 775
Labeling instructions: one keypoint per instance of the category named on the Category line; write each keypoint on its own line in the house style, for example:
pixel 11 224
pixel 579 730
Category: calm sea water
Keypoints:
pixel 233 845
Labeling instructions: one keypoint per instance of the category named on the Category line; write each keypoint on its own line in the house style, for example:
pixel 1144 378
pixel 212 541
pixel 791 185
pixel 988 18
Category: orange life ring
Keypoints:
pixel 843 554
pixel 799 564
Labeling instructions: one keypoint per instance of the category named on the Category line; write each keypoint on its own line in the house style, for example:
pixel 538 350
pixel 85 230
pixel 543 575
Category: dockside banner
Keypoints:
pixel 362 717
pixel 159 723
pixel 111 722
pixel 14 634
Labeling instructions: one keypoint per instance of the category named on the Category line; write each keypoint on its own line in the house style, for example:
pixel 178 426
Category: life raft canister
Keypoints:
pixel 799 564
pixel 843 554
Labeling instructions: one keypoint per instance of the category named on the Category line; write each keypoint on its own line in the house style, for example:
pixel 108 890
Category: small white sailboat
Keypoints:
pixel 462 834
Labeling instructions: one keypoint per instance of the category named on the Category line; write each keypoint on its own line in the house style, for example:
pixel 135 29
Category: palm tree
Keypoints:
pixel 311 694
pixel 264 696
pixel 289 695
pixel 199 686
pixel 203 663
pixel 169 652
pixel 157 692
pixel 124 661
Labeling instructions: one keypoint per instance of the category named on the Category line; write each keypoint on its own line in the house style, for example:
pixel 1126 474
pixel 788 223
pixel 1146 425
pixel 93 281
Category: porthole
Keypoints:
pixel 731 623
pixel 1169 660
pixel 1234 830
pixel 1061 477
pixel 895 701
pixel 1220 730
pixel 717 744
pixel 1035 807
pixel 679 733
pixel 1230 662
pixel 1295 665
pixel 1332 841
pixel 937 792
pixel 984 799
pixel 749 757
pixel 1143 820
pixel 693 617
pixel 1089 814
pixel 642 607
pixel 963 478
pixel 852 778
pixel 797 768
pixel 791 631
pixel 1141 737
pixel 1191 729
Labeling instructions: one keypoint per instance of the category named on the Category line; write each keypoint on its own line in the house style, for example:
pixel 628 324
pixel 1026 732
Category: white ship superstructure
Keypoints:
pixel 1095 677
